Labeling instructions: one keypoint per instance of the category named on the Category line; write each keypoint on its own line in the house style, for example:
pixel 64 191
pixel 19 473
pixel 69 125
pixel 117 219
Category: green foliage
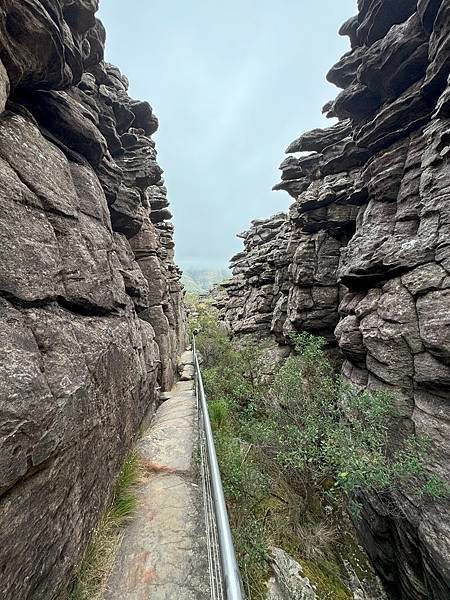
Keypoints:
pixel 212 341
pixel 242 477
pixel 124 499
pixel 435 488
pixel 251 545
pixel 218 413
pixel 289 447
pixel 330 431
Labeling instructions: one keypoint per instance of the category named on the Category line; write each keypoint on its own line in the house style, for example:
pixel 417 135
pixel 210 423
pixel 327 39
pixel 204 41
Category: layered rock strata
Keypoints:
pixel 259 277
pixel 369 256
pixel 90 300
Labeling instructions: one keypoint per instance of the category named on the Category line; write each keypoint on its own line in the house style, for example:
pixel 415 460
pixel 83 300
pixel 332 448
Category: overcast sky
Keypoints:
pixel 233 83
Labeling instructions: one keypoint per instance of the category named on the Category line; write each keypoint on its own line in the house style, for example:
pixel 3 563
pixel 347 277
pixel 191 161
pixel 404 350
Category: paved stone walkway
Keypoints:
pixel 163 554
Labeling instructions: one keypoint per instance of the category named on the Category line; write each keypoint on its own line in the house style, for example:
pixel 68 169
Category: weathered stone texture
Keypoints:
pixel 367 261
pixel 91 304
pixel 248 300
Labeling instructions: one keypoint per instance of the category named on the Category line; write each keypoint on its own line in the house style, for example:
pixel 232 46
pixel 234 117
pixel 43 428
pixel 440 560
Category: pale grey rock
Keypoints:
pixel 4 87
pixel 187 373
pixel 287 582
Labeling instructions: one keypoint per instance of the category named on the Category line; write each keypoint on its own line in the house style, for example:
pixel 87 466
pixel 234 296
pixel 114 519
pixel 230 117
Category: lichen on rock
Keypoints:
pixel 287 583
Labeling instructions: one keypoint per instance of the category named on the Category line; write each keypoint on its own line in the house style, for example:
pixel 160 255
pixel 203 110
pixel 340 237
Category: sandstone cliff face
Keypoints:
pixel 259 277
pixel 90 300
pixel 369 256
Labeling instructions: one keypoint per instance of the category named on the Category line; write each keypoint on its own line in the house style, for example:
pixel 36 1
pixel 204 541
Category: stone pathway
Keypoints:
pixel 163 554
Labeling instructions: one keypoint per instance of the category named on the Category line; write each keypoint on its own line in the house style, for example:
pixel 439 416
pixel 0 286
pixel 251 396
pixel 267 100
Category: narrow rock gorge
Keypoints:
pixel 91 305
pixel 363 258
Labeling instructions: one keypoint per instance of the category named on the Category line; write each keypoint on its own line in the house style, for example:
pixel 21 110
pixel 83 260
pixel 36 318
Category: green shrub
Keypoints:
pixel 289 447
pixel 332 432
pixel 218 413
pixel 213 343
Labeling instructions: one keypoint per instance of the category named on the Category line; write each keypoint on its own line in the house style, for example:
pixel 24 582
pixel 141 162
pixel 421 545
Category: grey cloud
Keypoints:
pixel 232 83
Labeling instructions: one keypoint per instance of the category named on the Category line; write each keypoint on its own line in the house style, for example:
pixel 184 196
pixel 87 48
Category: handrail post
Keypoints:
pixel 230 569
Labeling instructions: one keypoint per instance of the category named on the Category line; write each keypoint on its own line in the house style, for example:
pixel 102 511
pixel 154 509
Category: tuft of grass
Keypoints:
pixel 91 577
pixel 315 539
pixel 124 500
pixel 218 413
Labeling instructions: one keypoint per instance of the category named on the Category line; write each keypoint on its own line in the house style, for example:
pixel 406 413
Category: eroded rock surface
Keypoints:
pixel 287 582
pixel 363 258
pixel 258 274
pixel 90 299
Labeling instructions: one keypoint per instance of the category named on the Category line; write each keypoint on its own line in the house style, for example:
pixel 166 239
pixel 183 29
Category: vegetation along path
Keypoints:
pixel 298 449
pixel 163 552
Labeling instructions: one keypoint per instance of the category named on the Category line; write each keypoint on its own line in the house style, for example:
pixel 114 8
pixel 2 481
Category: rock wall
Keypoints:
pixel 91 306
pixel 369 256
pixel 259 277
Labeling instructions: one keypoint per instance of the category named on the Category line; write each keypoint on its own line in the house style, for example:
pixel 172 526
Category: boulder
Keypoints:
pixel 287 582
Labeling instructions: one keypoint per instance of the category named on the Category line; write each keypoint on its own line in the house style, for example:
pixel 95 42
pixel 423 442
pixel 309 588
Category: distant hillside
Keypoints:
pixel 190 285
pixel 200 281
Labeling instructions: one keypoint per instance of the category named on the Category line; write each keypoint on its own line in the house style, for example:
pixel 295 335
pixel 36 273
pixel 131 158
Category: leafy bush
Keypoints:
pixel 294 448
pixel 333 433
pixel 212 341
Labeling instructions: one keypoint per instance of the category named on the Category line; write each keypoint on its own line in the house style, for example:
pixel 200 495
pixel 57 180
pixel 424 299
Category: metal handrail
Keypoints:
pixel 230 569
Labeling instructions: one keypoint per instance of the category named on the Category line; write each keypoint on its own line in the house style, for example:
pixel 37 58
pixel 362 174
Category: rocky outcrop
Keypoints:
pixel 368 258
pixel 258 275
pixel 287 582
pixel 90 300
